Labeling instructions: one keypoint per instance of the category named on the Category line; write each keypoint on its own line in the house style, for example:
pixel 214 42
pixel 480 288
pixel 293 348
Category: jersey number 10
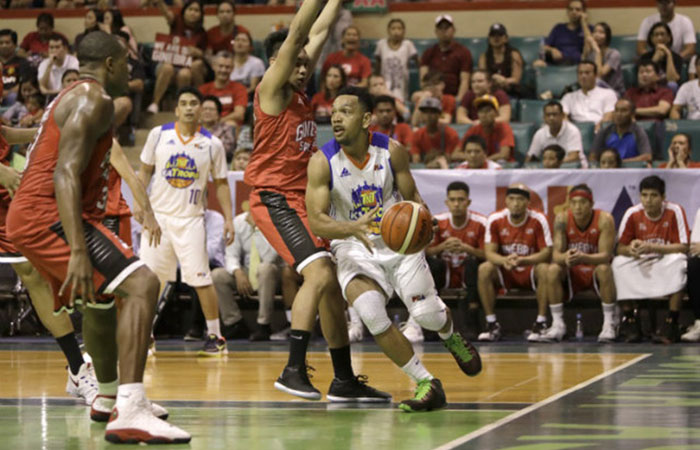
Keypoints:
pixel 194 196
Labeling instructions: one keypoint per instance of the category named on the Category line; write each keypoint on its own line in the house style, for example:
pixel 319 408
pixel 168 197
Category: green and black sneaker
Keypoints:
pixel 465 354
pixel 428 397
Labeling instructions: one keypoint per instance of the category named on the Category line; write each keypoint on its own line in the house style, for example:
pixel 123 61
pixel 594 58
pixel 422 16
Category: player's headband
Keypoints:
pixel 518 191
pixel 581 193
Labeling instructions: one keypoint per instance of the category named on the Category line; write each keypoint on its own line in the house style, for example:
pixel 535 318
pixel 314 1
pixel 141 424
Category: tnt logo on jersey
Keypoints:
pixel 364 199
pixel 180 171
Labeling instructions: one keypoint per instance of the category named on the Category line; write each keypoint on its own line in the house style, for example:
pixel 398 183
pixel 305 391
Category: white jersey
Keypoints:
pixel 182 169
pixel 357 190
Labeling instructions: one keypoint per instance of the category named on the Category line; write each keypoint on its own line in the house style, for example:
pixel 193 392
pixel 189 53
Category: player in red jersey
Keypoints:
pixel 584 240
pixel 518 247
pixel 55 221
pixel 651 261
pixel 285 139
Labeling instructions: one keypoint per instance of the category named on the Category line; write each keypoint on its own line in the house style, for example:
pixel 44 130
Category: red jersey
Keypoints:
pixel 37 188
pixel 217 41
pixel 357 67
pixel 400 132
pixel 4 159
pixel 116 205
pixel 282 146
pixel 471 233
pixel 232 95
pixel 531 236
pixel 585 241
pixel 670 228
pixel 501 136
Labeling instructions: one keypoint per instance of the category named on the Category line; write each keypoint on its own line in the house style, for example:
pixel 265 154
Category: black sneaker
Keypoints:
pixel 669 332
pixel 429 396
pixel 238 330
pixel 465 354
pixel 214 346
pixel 630 329
pixel 537 331
pixel 355 390
pixel 261 334
pixel 492 333
pixel 295 381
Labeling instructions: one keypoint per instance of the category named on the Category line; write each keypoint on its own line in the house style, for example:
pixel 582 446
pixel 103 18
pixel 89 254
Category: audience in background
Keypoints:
pixel 210 118
pixel 688 99
pixel 113 21
pixel 564 44
pixel 557 130
pixel 378 87
pixel 553 156
pixel 220 37
pixel 52 68
pixel 448 57
pixel 591 103
pixel 503 61
pixel 14 67
pixel 497 135
pixel 69 76
pixel 392 57
pixel 679 152
pixel 433 144
pixel 232 94
pixel 482 84
pixel 610 159
pixel 652 101
pixel 247 69
pixel 386 123
pixel 35 109
pixel 92 20
pixel 681 27
pixel 14 113
pixel 624 135
pixel 322 102
pixel 129 104
pixel 35 45
pixel 434 86
pixel 669 62
pixel 356 65
pixel 241 159
pixel 473 150
pixel 608 60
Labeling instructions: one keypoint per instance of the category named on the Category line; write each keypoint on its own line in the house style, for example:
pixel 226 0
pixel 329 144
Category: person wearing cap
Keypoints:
pixel 557 130
pixel 503 61
pixel 624 135
pixel 434 86
pixel 434 143
pixel 449 57
pixel 498 135
pixel 564 44
pixel 357 66
pixel 385 121
pixel 591 103
pixel 681 26
pixel 481 82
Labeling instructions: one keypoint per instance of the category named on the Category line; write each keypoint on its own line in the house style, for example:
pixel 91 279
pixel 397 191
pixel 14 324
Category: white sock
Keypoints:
pixel 288 315
pixel 416 370
pixel 213 327
pixel 697 323
pixel 446 335
pixel 129 393
pixel 608 312
pixel 108 388
pixel 354 317
pixel 557 314
pixel 490 318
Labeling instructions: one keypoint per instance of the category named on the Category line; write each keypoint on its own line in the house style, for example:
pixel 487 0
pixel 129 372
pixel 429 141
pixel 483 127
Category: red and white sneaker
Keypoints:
pixel 102 408
pixel 84 384
pixel 133 423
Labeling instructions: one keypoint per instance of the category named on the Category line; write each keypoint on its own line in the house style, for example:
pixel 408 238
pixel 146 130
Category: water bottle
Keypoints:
pixel 397 320
pixel 579 328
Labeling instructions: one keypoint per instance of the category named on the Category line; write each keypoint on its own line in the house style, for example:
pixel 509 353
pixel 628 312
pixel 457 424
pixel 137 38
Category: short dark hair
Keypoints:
pixel 122 34
pixel 396 20
pixel 274 41
pixel 37 97
pixel 653 182
pixel 354 27
pixel 654 27
pixel 97 46
pixel 11 33
pixel 433 77
pixel 188 90
pixel 217 102
pixel 458 186
pixel 363 96
pixel 44 18
pixel 486 73
pixel 230 2
pixel 59 37
pixel 553 103
pixel 556 148
pixel 475 139
pixel 633 107
pixel 648 62
pixel 583 3
pixel 606 30
pixel 68 72
pixel 588 63
pixel 582 187
pixel 618 158
pixel 385 99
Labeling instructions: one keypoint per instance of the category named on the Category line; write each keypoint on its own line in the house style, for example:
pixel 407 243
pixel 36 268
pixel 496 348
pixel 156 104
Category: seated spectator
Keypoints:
pixel 610 159
pixel 681 26
pixel 591 103
pixel 322 102
pixel 378 87
pixel 35 45
pixel 624 135
pixel 448 57
pixel 651 261
pixel 188 23
pixel 210 119
pixel 247 69
pixel 113 21
pixel 241 159
pixel 670 63
pixel 434 86
pixel 357 66
pixel 386 123
pixel 27 88
pixel 124 105
pixel 70 76
pixel 35 110
pixel 608 60
pixel 502 61
pixel 434 143
pixel 692 334
pixel 92 20
pixel 564 44
pixel 220 36
pixel 232 95
pixel 687 99
pixel 481 84
pixel 652 101
pixel 557 130
pixel 392 56
pixel 517 243
pixel 679 153
pixel 553 156
pixel 14 67
pixel 52 68
pixel 497 135
pixel 474 153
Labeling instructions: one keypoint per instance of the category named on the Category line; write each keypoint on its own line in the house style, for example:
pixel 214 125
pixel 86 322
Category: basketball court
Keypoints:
pixel 571 395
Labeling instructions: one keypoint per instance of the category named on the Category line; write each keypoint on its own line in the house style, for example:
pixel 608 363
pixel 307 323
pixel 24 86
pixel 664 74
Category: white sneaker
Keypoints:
pixel 282 335
pixel 84 384
pixel 356 331
pixel 609 332
pixel 133 423
pixel 102 408
pixel 492 334
pixel 692 334
pixel 555 333
pixel 412 331
pixel 153 108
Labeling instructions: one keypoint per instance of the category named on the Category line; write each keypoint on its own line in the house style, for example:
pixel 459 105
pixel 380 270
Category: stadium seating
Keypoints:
pixel 324 134
pixel 461 128
pixel 531 111
pixel 554 79
pixel 367 47
pixel 627 46
pixel 423 44
pixel 587 134
pixel 476 46
pixel 691 127
pixel 523 133
pixel 629 74
pixel 529 47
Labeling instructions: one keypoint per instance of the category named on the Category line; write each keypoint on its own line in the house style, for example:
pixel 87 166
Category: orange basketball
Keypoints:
pixel 407 227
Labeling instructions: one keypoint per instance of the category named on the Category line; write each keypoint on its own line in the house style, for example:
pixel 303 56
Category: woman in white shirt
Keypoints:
pixel 247 69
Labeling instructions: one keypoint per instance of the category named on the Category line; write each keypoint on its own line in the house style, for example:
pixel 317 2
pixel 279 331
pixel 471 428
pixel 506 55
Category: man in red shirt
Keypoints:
pixel 449 57
pixel 651 262
pixel 35 45
pixel 357 66
pixel 219 37
pixel 434 86
pixel 651 100
pixel 498 135
pixel 232 94
pixel 385 113
pixel 434 143
pixel 518 248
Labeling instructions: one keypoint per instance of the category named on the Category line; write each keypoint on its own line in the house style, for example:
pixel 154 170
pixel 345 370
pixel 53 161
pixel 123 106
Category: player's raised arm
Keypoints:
pixel 320 31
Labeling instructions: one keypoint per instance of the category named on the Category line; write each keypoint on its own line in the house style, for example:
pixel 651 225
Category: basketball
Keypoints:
pixel 407 227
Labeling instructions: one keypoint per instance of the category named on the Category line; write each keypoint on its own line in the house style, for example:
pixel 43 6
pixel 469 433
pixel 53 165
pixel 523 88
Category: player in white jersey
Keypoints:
pixel 351 182
pixel 179 157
